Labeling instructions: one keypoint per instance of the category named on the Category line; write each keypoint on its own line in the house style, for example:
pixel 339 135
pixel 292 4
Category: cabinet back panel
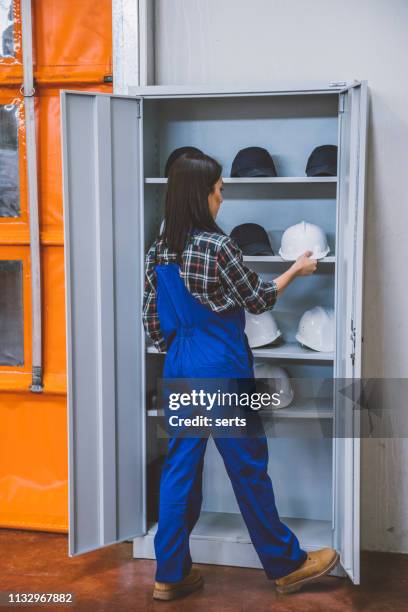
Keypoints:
pixel 277 215
pixel 288 127
pixel 295 465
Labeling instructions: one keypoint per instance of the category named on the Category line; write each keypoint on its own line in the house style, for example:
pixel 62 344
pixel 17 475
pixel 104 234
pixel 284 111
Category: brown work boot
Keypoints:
pixel 317 564
pixel 172 590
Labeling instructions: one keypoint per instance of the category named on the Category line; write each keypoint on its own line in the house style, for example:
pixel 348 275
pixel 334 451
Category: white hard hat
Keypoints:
pixel 316 329
pixel 277 381
pixel 303 237
pixel 261 329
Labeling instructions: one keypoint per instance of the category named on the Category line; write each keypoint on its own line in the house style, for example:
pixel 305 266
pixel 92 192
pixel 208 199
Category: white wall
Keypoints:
pixel 262 41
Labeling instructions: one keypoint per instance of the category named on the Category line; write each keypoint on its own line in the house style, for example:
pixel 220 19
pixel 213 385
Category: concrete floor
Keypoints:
pixel 110 579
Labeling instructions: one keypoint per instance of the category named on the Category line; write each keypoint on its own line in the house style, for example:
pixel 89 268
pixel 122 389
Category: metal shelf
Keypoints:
pixel 258 180
pixel 309 408
pixel 222 538
pixel 288 350
pixel 292 350
pixel 331 259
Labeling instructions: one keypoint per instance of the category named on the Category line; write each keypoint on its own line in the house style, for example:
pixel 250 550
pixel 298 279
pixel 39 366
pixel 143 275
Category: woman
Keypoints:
pixel 196 291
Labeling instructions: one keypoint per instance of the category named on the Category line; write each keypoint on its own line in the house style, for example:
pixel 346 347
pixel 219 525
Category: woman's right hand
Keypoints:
pixel 304 265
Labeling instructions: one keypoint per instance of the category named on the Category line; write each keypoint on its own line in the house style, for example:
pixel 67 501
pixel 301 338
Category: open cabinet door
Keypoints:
pixel 101 145
pixel 348 304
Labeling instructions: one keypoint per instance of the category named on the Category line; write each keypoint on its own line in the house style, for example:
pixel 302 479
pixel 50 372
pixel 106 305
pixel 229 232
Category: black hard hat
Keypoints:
pixel 176 154
pixel 253 161
pixel 252 239
pixel 322 161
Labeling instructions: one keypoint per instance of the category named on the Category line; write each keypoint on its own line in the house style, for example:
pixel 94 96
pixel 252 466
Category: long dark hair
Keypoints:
pixel 191 179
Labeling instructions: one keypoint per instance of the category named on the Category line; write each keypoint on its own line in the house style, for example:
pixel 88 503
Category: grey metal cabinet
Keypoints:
pixel 114 152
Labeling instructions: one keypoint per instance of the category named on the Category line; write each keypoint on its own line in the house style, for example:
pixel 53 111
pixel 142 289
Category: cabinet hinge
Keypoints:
pixel 342 103
pixel 138 110
pixel 353 340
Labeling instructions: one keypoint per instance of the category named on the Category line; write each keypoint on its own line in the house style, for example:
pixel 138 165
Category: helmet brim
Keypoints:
pixel 322 170
pixel 257 248
pixel 253 172
pixel 320 255
pixel 312 345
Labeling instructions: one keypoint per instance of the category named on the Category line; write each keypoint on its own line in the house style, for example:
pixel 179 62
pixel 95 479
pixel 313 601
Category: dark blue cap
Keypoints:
pixel 322 161
pixel 253 161
pixel 252 239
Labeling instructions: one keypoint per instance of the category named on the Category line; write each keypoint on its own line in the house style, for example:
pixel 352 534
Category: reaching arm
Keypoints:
pixel 303 266
pixel 247 288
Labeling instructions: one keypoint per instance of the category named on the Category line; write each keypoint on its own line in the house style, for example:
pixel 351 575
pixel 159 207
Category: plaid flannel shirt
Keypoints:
pixel 213 271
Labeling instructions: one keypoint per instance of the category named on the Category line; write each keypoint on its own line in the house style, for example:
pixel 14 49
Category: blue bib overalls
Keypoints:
pixel 206 344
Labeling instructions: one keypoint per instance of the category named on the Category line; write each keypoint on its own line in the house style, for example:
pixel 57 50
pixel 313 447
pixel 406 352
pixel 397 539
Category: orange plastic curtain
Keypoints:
pixel 72 50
